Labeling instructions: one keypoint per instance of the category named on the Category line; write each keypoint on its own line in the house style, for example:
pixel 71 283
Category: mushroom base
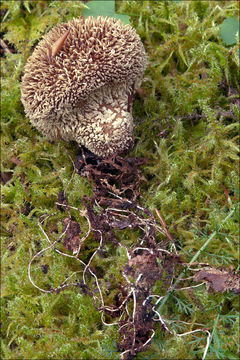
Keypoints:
pixel 107 128
pixel 103 123
pixel 105 138
pixel 108 123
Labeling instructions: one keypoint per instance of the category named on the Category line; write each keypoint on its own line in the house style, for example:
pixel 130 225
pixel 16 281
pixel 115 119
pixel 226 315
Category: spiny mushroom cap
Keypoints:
pixel 82 92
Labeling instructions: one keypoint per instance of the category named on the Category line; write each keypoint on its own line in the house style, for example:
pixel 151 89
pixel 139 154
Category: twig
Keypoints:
pixel 164 225
pixel 4 46
pixel 189 287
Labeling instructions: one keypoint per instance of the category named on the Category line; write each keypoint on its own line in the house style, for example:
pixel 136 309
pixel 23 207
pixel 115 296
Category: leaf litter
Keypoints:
pixel 115 206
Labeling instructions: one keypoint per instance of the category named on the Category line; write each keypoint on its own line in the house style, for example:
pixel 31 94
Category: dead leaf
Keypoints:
pixel 219 280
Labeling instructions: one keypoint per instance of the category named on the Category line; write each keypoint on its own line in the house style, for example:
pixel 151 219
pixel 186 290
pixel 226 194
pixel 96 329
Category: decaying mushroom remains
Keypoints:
pixel 79 82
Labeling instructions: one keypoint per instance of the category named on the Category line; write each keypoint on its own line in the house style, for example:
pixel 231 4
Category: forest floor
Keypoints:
pixel 150 241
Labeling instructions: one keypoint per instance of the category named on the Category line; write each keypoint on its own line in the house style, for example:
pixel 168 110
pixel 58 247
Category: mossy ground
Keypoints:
pixel 186 126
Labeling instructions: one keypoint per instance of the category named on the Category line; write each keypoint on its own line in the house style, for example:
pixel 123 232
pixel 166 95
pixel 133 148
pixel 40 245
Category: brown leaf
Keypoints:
pixel 219 280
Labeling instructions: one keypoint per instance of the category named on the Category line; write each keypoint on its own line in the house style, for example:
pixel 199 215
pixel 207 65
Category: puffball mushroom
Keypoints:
pixel 79 83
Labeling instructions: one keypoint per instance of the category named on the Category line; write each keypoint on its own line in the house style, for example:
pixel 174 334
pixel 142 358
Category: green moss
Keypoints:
pixel 186 126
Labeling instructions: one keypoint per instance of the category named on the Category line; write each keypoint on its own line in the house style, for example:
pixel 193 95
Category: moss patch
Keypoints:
pixel 186 125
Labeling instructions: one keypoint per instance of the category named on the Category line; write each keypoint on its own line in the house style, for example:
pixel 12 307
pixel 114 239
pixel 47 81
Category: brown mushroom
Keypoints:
pixel 79 82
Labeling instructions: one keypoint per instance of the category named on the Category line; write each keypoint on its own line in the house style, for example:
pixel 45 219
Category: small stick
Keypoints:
pixel 226 194
pixel 4 46
pixel 164 226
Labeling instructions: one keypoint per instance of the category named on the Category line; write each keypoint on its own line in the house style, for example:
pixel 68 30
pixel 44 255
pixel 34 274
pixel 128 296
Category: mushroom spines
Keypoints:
pixel 92 56
pixel 74 63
